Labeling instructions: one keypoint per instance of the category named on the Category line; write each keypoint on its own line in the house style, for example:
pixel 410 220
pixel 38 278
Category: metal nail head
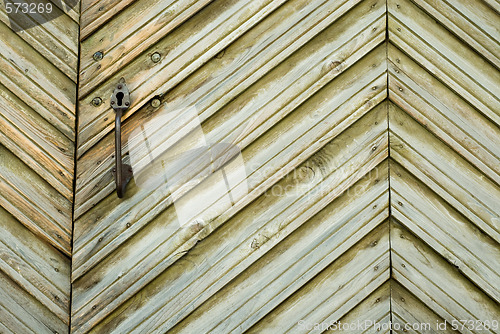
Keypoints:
pixel 98 55
pixel 155 103
pixel 156 57
pixel 96 101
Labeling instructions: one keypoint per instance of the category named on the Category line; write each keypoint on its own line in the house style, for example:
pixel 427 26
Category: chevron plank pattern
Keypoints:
pixel 387 150
pixel 445 167
pixel 283 73
pixel 38 75
pixel 357 142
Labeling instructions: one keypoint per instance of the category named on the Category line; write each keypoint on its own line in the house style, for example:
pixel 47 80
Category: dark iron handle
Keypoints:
pixel 120 102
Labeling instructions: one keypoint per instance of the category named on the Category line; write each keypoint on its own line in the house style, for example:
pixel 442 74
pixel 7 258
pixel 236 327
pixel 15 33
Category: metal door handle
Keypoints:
pixel 120 102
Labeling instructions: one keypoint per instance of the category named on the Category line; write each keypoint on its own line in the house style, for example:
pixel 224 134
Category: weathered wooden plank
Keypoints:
pixel 34 202
pixel 445 172
pixel 5 315
pixel 494 4
pixel 376 308
pixel 277 215
pixel 128 34
pixel 34 265
pixel 46 41
pixel 96 13
pixel 112 224
pixel 223 79
pixel 363 268
pixel 11 321
pixel 296 86
pixel 36 142
pixel 72 12
pixel 295 260
pixel 444 113
pixel 411 314
pixel 148 242
pixel 449 59
pixel 21 313
pixel 472 21
pixel 37 82
pixel 216 26
pixel 437 283
pixel 38 72
pixel 445 231
pixel 18 57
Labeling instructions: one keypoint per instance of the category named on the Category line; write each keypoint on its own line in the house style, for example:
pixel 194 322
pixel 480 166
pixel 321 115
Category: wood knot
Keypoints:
pixel 220 54
pixel 304 174
pixel 197 225
pixel 335 65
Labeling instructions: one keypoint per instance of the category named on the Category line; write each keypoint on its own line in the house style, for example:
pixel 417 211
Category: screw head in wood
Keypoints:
pixel 155 103
pixel 156 57
pixel 98 55
pixel 96 101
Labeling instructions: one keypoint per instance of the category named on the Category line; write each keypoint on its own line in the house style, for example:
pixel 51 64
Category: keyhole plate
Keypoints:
pixel 121 96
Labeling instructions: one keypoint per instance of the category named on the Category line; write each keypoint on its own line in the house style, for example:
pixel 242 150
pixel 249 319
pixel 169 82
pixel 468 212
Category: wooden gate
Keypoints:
pixel 299 166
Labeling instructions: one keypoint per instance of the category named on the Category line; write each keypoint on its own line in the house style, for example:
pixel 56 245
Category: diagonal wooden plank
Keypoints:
pixel 445 184
pixel 151 246
pixel 446 231
pixel 445 172
pixel 103 222
pixel 34 140
pixel 359 271
pixel 444 113
pixel 344 172
pixel 37 82
pixel 224 78
pixel 294 261
pixel 35 283
pixel 34 202
pixel 22 313
pixel 412 315
pixel 216 27
pixel 471 21
pixel 122 38
pixel 35 266
pixel 96 13
pixel 38 74
pixel 437 283
pixel 375 309
pixel 444 55
pixel 307 95
pixel 57 41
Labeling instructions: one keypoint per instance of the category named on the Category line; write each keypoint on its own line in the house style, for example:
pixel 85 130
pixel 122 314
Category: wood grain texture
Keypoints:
pixel 311 162
pixel 183 52
pixel 444 175
pixel 408 310
pixel 283 74
pixel 145 202
pixel 437 283
pixel 225 77
pixel 446 56
pixel 38 75
pixel 361 268
pixel 94 280
pixel 340 130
